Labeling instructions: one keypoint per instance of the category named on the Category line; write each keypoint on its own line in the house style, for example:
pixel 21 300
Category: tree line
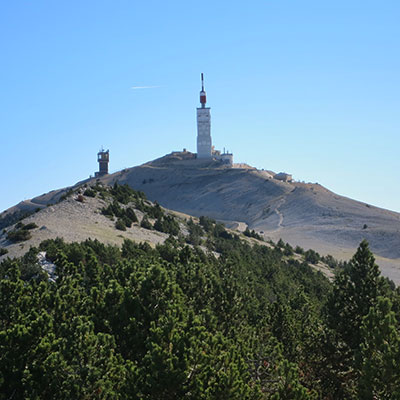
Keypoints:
pixel 175 322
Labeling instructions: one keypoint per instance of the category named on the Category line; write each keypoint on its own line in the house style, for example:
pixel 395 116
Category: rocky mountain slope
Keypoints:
pixel 86 213
pixel 302 214
pixel 113 214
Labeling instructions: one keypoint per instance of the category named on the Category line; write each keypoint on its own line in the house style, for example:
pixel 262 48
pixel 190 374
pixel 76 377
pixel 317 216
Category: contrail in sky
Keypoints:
pixel 144 87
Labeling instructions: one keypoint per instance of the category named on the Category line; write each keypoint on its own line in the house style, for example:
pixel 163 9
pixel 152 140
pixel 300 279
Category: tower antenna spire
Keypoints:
pixel 203 97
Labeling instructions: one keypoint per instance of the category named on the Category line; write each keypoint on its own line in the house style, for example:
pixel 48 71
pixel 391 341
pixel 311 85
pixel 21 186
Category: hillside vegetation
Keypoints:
pixel 239 321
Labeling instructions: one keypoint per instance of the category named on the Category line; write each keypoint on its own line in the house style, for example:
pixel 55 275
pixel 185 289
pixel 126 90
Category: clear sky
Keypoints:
pixel 311 88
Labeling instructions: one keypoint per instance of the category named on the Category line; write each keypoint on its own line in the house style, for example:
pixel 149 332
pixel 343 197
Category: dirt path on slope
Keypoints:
pixel 280 203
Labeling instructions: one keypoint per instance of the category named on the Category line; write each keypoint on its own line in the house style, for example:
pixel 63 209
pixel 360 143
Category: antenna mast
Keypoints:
pixel 203 97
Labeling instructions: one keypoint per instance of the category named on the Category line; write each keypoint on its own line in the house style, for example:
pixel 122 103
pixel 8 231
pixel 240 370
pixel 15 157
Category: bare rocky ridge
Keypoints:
pixel 302 214
pixel 76 221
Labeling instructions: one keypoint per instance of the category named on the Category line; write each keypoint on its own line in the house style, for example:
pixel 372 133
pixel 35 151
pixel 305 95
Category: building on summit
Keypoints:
pixel 225 157
pixel 205 149
pixel 283 176
pixel 103 157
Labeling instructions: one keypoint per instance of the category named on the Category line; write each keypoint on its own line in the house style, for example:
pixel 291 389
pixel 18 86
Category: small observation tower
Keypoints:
pixel 103 157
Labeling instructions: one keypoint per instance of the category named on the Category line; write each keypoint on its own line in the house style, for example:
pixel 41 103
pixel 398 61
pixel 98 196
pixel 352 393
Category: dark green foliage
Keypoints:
pixel 312 256
pixel 167 224
pixel 125 194
pixel 142 195
pixel 120 224
pixel 107 211
pixel 175 323
pixel 30 226
pixel 216 231
pixel 195 233
pixel 89 192
pixel 158 225
pixel 194 228
pixel 3 251
pixel 207 223
pixel 147 323
pixel 288 250
pixel 127 221
pixel 379 354
pixel 145 223
pixel 355 290
pixel 252 234
pixel 125 215
pixel 155 212
pixel 299 250
pixel 19 235
pixel 330 261
pixel 280 244
pixel 28 266
pixel 141 206
pixel 20 225
pixel 120 194
pixel 52 248
pixel 130 213
pixel 113 209
pixel 131 249
pixel 102 190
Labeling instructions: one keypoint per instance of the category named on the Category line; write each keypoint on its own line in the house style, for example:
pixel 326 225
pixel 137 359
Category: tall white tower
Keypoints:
pixel 203 126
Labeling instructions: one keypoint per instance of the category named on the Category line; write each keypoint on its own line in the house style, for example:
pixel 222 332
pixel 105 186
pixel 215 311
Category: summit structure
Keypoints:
pixel 103 157
pixel 204 145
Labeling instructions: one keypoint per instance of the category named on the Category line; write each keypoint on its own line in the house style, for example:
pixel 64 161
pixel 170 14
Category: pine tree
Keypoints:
pixel 355 290
pixel 379 356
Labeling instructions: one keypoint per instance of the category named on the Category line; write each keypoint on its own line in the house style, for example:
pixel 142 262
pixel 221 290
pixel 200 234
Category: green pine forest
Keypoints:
pixel 242 320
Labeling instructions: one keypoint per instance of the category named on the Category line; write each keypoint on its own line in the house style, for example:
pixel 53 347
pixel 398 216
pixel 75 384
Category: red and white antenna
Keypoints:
pixel 203 98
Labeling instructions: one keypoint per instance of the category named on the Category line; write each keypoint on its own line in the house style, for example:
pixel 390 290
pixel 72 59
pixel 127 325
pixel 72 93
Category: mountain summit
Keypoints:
pixel 303 214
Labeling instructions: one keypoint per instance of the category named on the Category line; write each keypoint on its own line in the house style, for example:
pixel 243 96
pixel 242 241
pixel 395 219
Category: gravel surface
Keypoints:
pixel 75 221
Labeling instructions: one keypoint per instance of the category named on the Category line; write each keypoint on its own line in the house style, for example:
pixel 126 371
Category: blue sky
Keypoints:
pixel 307 87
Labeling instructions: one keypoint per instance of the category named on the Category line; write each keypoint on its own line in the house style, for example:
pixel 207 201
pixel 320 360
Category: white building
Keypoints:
pixel 204 145
pixel 225 157
pixel 283 176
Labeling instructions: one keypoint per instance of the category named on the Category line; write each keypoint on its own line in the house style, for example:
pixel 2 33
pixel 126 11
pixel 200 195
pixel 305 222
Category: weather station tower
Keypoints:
pixel 103 157
pixel 204 146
